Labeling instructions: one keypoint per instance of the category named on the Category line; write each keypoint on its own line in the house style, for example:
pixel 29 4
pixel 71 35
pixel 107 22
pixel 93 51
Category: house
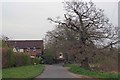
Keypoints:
pixel 32 47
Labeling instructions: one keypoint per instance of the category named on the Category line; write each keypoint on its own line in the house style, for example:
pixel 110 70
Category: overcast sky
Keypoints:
pixel 28 20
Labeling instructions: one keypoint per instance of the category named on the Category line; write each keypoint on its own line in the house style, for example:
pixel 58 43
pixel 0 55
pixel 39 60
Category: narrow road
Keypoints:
pixel 56 71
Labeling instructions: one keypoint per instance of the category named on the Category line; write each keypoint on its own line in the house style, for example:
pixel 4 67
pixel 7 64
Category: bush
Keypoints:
pixel 107 60
pixel 11 59
pixel 25 59
pixel 22 59
pixel 18 59
pixel 37 60
pixel 48 59
pixel 8 58
pixel 40 60
pixel 3 44
pixel 4 58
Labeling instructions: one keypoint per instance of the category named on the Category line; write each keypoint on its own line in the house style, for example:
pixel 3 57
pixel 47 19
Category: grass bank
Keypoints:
pixel 30 71
pixel 79 70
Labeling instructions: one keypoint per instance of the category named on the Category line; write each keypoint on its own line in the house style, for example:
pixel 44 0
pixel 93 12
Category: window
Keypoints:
pixel 34 48
pixel 20 50
pixel 28 49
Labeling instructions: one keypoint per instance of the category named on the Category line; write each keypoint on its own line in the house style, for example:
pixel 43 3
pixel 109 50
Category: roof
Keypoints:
pixel 25 43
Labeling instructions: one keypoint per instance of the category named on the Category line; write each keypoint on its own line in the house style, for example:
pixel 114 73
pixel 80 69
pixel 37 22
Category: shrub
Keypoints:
pixel 36 60
pixel 4 58
pixel 3 44
pixel 48 59
pixel 11 58
pixel 49 56
pixel 22 59
pixel 8 58
pixel 18 59
pixel 25 59
pixel 107 60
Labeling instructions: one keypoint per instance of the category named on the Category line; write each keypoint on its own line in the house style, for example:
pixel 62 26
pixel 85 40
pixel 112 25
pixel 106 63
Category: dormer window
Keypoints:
pixel 28 49
pixel 34 48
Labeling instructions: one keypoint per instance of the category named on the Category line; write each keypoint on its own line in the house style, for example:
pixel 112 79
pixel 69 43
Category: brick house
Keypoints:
pixel 32 47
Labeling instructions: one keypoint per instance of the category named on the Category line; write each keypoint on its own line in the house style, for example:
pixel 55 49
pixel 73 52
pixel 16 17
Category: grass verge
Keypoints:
pixel 30 71
pixel 79 70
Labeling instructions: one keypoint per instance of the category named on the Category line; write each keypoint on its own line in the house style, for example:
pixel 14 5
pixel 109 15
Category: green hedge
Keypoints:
pixel 25 59
pixel 48 59
pixel 11 59
pixel 8 58
pixel 49 56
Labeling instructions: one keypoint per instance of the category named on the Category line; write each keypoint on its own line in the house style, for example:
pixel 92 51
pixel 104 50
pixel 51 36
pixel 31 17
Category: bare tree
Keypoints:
pixel 62 38
pixel 90 24
pixel 5 38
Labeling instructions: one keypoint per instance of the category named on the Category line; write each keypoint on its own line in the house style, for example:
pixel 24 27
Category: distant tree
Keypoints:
pixel 90 24
pixel 61 40
pixel 5 38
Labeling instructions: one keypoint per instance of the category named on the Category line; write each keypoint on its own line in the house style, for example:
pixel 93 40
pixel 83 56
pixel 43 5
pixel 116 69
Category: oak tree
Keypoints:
pixel 93 28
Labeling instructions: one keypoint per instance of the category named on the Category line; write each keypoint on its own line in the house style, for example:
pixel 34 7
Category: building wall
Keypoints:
pixel 30 51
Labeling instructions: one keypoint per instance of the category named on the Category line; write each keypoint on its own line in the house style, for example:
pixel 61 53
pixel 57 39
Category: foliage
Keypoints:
pixel 19 59
pixel 36 60
pixel 4 45
pixel 79 70
pixel 40 60
pixel 48 58
pixel 8 58
pixel 11 59
pixel 107 60
pixel 25 59
pixel 30 71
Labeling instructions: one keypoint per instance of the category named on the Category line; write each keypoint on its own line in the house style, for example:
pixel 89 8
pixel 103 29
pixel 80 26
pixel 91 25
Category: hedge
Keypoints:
pixel 25 59
pixel 48 58
pixel 11 59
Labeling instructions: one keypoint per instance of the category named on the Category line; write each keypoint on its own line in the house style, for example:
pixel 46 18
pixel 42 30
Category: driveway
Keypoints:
pixel 56 71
